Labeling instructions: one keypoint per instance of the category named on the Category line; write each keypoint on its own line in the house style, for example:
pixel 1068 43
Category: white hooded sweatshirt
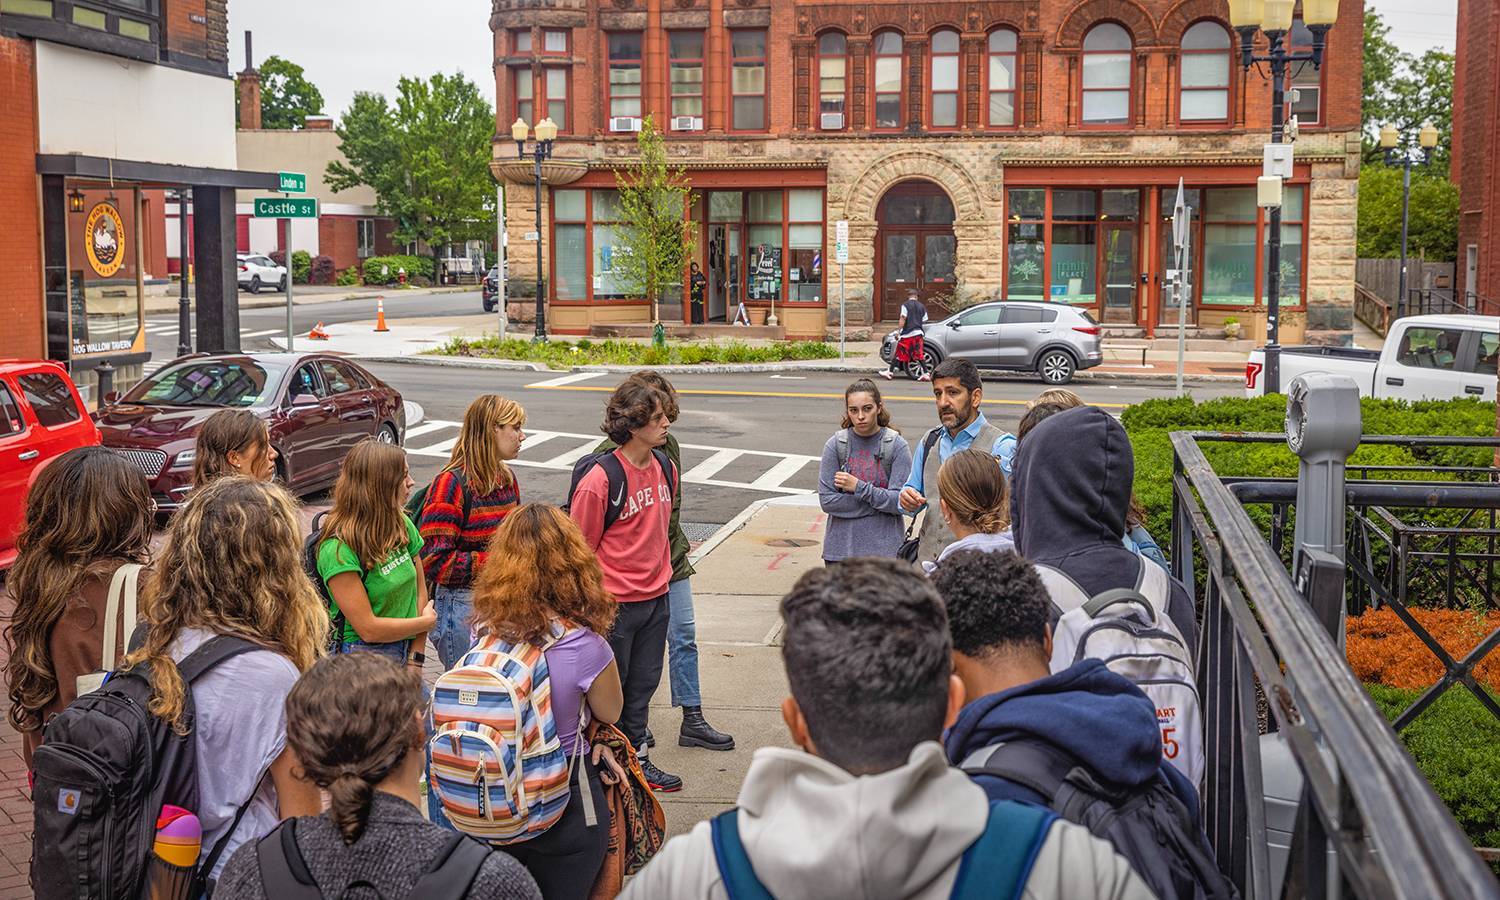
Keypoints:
pixel 812 831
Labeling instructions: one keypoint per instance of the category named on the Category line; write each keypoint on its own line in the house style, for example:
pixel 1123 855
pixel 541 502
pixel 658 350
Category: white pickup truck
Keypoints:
pixel 1424 358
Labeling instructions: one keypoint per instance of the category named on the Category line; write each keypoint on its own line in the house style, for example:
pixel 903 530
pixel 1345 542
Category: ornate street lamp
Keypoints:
pixel 546 133
pixel 1401 153
pixel 1274 19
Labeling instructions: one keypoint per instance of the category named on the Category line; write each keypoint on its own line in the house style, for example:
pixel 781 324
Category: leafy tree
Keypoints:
pixel 656 240
pixel 1405 91
pixel 426 157
pixel 287 98
pixel 1432 219
pixel 1382 60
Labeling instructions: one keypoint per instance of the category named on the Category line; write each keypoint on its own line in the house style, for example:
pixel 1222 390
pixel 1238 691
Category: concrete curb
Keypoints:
pixel 742 518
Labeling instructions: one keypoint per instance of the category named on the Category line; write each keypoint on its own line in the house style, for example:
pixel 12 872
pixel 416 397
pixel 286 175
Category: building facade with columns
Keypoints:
pixel 1005 148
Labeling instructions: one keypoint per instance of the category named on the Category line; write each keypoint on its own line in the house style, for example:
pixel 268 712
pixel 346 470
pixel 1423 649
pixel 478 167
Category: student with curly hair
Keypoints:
pixel 354 724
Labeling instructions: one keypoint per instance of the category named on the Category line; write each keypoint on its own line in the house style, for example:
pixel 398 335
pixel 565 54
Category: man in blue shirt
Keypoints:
pixel 958 390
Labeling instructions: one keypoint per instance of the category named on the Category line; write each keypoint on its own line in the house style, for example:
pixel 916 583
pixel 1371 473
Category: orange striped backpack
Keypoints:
pixel 498 765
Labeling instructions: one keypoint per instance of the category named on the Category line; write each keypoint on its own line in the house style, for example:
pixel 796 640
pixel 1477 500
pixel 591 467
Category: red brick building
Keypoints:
pixel 1005 148
pixel 1476 147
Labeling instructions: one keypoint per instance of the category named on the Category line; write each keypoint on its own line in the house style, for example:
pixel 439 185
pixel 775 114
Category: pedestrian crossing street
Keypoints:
pixel 727 467
pixel 167 328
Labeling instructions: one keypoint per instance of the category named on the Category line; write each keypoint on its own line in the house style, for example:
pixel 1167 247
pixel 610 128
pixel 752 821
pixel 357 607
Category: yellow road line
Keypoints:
pixel 790 394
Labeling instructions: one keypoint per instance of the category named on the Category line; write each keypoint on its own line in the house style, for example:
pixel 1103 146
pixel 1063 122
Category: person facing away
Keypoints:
pixel 465 503
pixel 1070 491
pixel 88 513
pixel 368 557
pixel 868 807
pixel 233 442
pixel 910 332
pixel 543 584
pixel 634 552
pixel 232 565
pixel 958 390
pixel 1084 716
pixel 682 631
pixel 859 479
pixel 354 723
pixel 975 504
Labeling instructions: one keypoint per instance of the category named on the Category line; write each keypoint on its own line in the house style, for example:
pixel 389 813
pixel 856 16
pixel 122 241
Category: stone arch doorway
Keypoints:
pixel 915 248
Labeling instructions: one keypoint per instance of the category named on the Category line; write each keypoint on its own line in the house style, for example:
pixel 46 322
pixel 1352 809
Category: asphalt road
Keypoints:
pixel 745 436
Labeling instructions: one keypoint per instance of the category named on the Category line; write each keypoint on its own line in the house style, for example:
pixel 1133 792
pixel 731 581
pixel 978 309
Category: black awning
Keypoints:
pixel 154 174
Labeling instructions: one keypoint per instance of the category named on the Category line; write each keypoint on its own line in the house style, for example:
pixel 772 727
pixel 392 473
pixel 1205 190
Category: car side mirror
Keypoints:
pixel 304 400
pixel 955 325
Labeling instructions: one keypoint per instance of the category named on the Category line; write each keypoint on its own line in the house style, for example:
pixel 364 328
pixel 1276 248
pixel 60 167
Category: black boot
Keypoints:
pixel 663 782
pixel 696 732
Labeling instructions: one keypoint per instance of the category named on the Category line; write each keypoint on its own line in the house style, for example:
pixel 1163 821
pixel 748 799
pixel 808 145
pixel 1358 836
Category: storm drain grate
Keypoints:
pixel 700 531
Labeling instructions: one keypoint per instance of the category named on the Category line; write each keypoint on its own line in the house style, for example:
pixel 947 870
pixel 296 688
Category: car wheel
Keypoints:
pixel 255 284
pixel 916 369
pixel 386 435
pixel 1056 367
pixel 282 286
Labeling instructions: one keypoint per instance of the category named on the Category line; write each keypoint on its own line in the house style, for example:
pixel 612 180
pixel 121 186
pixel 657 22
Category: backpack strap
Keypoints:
pixel 738 875
pixel 667 469
pixel 841 447
pixel 205 868
pixel 212 652
pixel 452 872
pixel 1154 585
pixel 614 486
pixel 122 593
pixel 283 872
pixel 1102 601
pixel 884 454
pixel 1065 593
pixel 931 439
pixel 1038 767
pixel 999 862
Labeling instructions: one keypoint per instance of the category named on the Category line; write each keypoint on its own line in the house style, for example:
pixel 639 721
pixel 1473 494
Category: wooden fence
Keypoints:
pixel 1382 277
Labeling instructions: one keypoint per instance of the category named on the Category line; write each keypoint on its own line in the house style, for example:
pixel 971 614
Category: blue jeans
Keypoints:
pixel 682 645
pixel 395 651
pixel 450 636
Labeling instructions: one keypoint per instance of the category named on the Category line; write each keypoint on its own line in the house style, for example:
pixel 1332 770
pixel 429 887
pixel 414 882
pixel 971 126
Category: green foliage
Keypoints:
pixel 301 266
pixel 426 157
pixel 1432 228
pixel 656 239
pixel 1406 91
pixel 414 265
pixel 1456 744
pixel 349 277
pixel 287 98
pixel 561 354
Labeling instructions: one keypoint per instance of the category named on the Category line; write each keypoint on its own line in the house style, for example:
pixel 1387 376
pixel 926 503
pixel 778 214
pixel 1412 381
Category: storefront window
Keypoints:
pixel 570 245
pixel 764 239
pixel 607 248
pixel 1228 276
pixel 1074 253
pixel 805 241
pixel 1291 248
pixel 725 206
pixel 104 296
pixel 1025 245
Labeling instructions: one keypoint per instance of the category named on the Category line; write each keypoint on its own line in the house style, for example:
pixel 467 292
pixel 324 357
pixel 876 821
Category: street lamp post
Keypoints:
pixel 1399 153
pixel 1274 18
pixel 546 133
pixel 184 312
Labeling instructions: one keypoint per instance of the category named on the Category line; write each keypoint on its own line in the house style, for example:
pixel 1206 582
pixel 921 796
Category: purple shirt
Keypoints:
pixel 573 663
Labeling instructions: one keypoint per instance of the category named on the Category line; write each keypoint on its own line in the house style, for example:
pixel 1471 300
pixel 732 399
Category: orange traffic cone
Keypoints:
pixel 317 333
pixel 380 314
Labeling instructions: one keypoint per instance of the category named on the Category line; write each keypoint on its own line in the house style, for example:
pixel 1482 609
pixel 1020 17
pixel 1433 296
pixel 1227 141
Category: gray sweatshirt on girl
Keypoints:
pixel 867 522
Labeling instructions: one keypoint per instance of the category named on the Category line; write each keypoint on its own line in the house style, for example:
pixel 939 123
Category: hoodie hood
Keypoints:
pixel 1097 716
pixel 815 831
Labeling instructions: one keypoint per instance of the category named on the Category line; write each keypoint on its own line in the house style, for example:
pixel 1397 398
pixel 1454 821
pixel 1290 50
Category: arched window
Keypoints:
pixel 833 67
pixel 1001 75
pixel 1205 74
pixel 1106 75
pixel 942 92
pixel 887 48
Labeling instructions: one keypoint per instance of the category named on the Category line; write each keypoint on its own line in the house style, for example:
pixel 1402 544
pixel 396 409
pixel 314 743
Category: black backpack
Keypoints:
pixel 284 874
pixel 1148 825
pixel 614 495
pixel 336 621
pixel 105 768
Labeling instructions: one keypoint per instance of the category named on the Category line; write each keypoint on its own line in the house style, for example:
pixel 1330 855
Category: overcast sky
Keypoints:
pixel 354 45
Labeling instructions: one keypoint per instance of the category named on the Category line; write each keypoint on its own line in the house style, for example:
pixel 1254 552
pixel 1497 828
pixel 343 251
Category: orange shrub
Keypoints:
pixel 1383 650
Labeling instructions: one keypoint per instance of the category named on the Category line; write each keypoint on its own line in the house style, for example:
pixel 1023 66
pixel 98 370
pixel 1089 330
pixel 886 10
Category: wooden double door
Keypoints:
pixel 916 258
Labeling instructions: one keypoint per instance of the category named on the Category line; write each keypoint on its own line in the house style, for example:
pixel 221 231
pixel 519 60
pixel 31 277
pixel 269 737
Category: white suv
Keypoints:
pixel 258 271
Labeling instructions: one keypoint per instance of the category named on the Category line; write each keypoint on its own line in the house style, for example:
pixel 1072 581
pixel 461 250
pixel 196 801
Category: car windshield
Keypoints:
pixel 210 382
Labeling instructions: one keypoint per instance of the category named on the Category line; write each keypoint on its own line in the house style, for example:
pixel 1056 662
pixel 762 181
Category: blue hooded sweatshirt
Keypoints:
pixel 1099 717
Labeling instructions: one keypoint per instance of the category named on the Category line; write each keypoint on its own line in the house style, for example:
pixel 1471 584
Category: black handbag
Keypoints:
pixel 912 540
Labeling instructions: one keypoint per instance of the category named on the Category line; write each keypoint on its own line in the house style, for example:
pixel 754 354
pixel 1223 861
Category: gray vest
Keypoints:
pixel 934 535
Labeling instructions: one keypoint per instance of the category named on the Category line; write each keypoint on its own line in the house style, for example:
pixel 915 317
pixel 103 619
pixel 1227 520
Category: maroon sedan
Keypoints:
pixel 316 406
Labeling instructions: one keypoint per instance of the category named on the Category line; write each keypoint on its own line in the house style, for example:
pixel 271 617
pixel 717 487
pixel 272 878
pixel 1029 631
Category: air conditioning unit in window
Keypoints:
pixel 625 123
pixel 832 121
pixel 687 123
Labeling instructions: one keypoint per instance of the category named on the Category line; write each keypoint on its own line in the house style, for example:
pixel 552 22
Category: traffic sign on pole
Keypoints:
pixel 286 207
pixel 841 241
pixel 292 182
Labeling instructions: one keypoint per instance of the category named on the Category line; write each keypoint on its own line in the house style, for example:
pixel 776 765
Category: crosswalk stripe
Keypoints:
pixel 711 466
pixel 426 428
pixel 251 334
pixel 566 460
pixel 566 379
pixel 778 473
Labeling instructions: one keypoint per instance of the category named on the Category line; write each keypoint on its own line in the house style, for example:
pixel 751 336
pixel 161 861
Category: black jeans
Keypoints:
pixel 565 858
pixel 639 640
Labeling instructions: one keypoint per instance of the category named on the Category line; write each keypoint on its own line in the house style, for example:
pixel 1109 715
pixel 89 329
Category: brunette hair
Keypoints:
pixel 87 512
pixel 540 569
pixel 668 393
pixel 237 430
pixel 231 564
pixel 351 721
pixel 367 511
pixel 865 386
pixel 631 408
pixel 476 453
pixel 973 485
pixel 1036 415
pixel 1059 397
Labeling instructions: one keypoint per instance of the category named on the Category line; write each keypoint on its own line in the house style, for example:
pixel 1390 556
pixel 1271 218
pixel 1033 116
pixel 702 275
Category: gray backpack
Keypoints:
pixel 887 442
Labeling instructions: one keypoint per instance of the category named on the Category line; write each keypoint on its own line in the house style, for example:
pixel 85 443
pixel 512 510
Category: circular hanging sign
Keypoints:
pixel 104 239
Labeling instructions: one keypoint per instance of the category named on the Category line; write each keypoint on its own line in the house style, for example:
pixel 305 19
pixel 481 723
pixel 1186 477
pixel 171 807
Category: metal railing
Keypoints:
pixel 1362 797
pixel 1435 301
pixel 1372 310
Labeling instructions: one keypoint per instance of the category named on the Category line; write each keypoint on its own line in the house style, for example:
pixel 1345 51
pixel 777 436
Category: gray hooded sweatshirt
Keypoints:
pixel 813 831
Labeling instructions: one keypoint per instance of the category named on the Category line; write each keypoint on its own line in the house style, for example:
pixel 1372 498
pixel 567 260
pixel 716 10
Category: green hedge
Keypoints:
pixel 563 354
pixel 415 266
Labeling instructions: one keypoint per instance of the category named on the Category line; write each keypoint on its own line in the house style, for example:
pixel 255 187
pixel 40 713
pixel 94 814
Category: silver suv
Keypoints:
pixel 1053 340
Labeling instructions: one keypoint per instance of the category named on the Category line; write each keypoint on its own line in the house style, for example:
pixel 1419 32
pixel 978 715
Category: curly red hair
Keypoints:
pixel 540 569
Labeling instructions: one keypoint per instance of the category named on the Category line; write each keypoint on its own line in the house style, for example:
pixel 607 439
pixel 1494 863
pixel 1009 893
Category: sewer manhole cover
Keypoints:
pixel 791 542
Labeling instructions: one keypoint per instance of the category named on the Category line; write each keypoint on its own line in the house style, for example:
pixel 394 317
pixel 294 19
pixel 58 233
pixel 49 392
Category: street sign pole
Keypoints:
pixel 841 255
pixel 1181 234
pixel 288 208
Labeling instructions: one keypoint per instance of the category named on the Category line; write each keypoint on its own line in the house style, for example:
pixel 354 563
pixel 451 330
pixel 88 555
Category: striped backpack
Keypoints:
pixel 498 765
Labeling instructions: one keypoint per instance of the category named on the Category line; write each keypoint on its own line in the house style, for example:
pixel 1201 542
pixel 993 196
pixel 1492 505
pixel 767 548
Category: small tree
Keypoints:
pixel 656 239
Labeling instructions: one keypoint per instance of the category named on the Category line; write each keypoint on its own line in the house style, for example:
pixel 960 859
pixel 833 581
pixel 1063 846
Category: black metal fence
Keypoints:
pixel 1362 797
pixel 1435 301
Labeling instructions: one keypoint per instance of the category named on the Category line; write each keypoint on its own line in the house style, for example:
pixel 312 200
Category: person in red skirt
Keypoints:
pixel 909 339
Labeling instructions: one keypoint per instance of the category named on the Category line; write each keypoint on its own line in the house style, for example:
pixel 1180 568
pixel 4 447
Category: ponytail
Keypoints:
pixel 972 484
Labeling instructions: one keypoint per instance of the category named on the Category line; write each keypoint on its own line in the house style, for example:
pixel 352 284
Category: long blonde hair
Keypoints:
pixel 476 453
pixel 231 564
pixel 367 502
pixel 973 486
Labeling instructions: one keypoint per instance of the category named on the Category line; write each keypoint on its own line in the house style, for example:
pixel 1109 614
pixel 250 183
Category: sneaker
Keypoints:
pixel 649 740
pixel 925 376
pixel 665 782
pixel 886 374
pixel 696 732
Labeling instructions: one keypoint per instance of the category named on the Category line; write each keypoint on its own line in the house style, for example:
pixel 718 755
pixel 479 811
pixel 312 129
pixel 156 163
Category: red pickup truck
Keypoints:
pixel 42 417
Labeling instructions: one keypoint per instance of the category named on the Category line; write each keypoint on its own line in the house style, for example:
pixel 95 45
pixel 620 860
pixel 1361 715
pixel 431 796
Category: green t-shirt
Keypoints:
pixel 391 586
